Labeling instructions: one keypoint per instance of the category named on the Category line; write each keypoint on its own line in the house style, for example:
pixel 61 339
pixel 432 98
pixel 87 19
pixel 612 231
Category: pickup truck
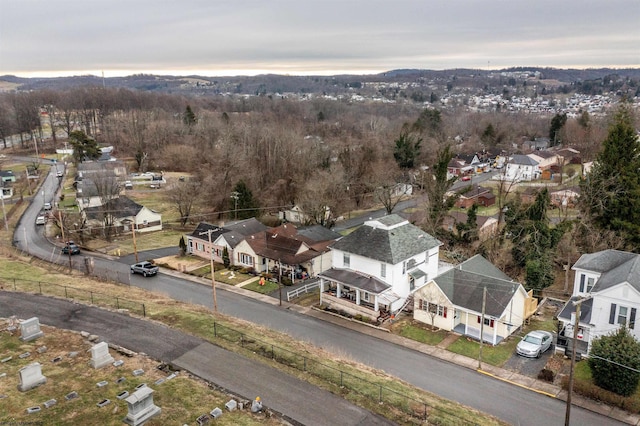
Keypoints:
pixel 144 268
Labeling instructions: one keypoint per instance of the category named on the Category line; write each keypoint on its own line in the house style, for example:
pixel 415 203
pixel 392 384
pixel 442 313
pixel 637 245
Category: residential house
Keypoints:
pixel 486 225
pixel 7 176
pixel 284 252
pixel 456 301
pixel 124 215
pixel 606 285
pixel 376 268
pixel 475 195
pixel 545 159
pixel 95 191
pixel 521 168
pixel 566 197
pixel 225 236
pixel 458 167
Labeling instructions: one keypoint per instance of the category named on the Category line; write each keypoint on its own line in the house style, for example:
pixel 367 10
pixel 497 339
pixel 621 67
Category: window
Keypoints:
pixel 245 259
pixel 622 315
pixel 346 260
pixel 365 296
pixel 590 282
pixel 582 279
pixel 383 270
pixel 433 308
pixel 487 321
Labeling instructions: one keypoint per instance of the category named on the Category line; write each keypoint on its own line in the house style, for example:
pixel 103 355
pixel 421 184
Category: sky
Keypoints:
pixel 311 37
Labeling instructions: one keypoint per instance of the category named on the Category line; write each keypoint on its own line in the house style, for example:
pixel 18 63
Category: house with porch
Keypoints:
pixel 123 214
pixel 607 287
pixel 222 236
pixel 284 252
pixel 453 301
pixel 377 268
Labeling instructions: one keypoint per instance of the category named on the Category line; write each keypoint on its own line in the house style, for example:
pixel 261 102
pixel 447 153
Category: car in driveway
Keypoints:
pixel 145 268
pixel 534 344
pixel 71 248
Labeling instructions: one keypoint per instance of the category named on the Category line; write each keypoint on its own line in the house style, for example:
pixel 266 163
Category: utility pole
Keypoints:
pixel 4 213
pixel 484 305
pixel 64 241
pixel 577 304
pixel 235 195
pixel 213 272
pixel 135 247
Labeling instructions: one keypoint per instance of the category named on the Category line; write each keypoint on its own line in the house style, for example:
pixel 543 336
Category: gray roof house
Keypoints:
pixel 378 266
pixel 228 235
pixel 453 301
pixel 607 287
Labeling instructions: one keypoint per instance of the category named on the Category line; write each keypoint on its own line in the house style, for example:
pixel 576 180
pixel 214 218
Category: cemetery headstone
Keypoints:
pixel 216 412
pixel 32 410
pixel 31 377
pixel 231 405
pixel 71 395
pixel 30 329
pixel 50 403
pixel 100 355
pixel 141 407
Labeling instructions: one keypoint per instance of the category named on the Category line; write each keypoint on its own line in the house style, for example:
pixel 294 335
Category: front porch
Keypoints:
pixel 488 336
pixel 348 305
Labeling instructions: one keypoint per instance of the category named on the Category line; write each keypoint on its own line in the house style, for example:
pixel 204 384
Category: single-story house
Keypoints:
pixel 228 235
pixel 125 215
pixel 476 195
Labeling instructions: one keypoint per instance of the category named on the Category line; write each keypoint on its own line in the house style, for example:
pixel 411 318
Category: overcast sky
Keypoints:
pixel 303 37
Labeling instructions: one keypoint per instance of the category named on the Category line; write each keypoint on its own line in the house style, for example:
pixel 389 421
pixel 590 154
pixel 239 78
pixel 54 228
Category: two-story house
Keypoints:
pixel 521 168
pixel 378 267
pixel 607 287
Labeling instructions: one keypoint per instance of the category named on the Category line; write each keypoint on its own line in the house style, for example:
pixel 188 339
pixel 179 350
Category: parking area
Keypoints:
pixel 528 366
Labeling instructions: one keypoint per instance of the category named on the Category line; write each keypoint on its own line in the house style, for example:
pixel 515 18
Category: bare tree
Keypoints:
pixel 183 196
pixel 108 188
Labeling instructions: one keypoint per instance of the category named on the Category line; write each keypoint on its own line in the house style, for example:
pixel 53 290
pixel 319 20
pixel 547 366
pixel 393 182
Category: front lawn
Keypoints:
pixel 419 332
pixel 493 355
pixel 267 288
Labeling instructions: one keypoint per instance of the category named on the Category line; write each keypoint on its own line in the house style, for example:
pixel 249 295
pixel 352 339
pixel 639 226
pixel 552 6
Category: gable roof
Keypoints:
pixel 464 285
pixel 119 207
pixel 570 308
pixel 390 239
pixel 523 160
pixel 318 233
pixel 614 266
pixel 279 246
pixel 235 232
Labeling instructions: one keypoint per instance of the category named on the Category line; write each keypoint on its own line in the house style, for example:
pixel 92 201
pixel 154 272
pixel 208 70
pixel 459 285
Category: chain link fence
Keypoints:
pixel 375 392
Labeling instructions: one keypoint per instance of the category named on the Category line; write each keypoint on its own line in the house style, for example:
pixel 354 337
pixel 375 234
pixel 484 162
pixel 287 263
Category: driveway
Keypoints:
pixel 528 366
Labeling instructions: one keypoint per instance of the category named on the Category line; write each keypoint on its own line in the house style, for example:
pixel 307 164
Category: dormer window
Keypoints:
pixel 586 283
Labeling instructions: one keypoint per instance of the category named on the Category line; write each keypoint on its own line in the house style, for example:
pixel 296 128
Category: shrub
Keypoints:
pixel 286 281
pixel 614 361
pixel 546 375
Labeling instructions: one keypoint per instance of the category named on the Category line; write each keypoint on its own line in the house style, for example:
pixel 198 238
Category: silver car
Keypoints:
pixel 535 343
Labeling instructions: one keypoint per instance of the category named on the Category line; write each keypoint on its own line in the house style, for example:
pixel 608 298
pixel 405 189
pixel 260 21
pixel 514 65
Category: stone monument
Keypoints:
pixel 141 407
pixel 31 377
pixel 100 355
pixel 30 329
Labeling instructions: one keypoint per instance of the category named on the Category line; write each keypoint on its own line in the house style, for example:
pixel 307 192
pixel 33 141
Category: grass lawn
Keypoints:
pixel 222 275
pixel 418 332
pixel 268 287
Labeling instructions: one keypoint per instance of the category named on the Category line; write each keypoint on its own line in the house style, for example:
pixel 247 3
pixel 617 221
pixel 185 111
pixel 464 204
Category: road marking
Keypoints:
pixel 516 384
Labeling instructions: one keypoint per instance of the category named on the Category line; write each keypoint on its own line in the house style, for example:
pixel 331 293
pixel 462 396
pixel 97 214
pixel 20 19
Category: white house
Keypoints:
pixel 124 214
pixel 521 168
pixel 453 301
pixel 378 267
pixel 607 287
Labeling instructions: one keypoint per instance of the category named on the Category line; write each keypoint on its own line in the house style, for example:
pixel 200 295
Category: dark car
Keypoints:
pixel 71 248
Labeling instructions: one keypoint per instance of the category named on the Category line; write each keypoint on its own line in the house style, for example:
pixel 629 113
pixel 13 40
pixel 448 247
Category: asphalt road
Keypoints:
pixel 296 399
pixel 512 404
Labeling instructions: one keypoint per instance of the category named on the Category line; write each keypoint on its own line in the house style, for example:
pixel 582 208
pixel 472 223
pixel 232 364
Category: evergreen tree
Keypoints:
pixel 437 186
pixel 189 117
pixel 614 361
pixel 406 150
pixel 244 205
pixel 610 194
pixel 183 246
pixel 557 123
pixel 84 147
pixel 225 257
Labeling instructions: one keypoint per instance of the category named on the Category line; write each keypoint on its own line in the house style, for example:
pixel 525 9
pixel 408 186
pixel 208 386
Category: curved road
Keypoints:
pixel 510 403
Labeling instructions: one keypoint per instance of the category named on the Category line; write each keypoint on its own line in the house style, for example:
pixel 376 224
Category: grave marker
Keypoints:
pixel 141 407
pixel 30 329
pixel 31 377
pixel 100 355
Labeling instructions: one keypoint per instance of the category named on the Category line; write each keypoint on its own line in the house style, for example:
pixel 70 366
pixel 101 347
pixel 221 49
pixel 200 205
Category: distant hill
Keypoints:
pixel 273 83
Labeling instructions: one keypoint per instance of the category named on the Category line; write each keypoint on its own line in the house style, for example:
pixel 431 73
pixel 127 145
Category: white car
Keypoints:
pixel 535 343
pixel 47 206
pixel 41 219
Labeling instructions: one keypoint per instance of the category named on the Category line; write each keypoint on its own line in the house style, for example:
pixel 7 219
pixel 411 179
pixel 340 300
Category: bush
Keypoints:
pixel 614 361
pixel 286 281
pixel 591 391
pixel 546 375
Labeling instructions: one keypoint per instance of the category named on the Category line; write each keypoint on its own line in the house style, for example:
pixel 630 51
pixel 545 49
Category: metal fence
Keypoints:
pixel 73 293
pixel 375 392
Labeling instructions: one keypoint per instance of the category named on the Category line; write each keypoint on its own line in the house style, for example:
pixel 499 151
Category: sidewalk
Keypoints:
pixel 498 373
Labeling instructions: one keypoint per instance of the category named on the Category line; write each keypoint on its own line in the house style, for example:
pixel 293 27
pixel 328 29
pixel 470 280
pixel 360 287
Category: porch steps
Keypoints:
pixel 408 304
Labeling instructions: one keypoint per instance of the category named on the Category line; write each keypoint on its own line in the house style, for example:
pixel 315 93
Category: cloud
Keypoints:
pixel 214 37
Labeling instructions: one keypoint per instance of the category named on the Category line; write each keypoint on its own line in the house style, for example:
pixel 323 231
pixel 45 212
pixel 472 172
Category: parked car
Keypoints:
pixel 466 178
pixel 144 268
pixel 535 343
pixel 41 219
pixel 59 174
pixel 47 206
pixel 128 184
pixel 70 248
